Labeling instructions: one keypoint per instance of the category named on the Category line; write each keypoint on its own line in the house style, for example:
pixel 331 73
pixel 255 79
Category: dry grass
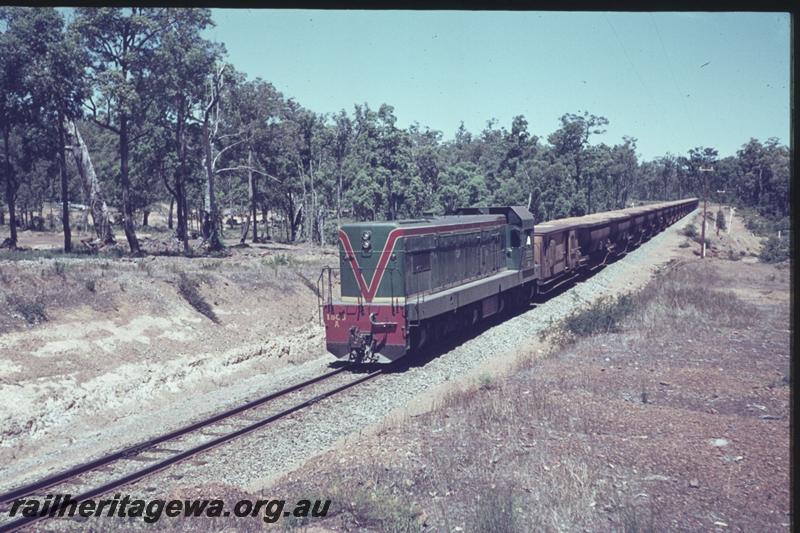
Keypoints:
pixel 534 452
pixel 492 458
pixel 677 298
pixel 375 509
pixel 29 308
pixel 684 299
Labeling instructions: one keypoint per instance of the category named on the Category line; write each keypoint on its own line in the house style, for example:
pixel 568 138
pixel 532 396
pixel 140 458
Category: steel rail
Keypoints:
pixel 142 446
pixel 151 469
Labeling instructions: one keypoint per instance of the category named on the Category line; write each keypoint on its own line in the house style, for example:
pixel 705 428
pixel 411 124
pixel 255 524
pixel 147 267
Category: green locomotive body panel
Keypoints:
pixel 401 259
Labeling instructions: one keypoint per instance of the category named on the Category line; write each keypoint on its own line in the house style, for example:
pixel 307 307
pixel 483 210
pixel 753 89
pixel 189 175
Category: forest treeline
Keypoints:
pixel 121 109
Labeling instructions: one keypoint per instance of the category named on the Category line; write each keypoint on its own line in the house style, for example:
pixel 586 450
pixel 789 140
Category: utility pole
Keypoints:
pixel 704 170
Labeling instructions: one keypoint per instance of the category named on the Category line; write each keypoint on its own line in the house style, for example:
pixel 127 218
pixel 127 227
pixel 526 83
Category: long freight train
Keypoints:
pixel 407 282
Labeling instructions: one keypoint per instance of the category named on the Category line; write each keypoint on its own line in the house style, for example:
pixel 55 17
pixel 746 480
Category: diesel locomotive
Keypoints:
pixel 405 283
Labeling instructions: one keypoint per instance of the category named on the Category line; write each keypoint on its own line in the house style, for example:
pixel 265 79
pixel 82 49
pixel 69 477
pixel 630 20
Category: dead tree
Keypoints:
pixel 212 232
pixel 90 184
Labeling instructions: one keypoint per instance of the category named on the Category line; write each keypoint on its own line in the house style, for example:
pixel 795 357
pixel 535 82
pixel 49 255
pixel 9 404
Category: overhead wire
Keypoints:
pixel 649 93
pixel 672 75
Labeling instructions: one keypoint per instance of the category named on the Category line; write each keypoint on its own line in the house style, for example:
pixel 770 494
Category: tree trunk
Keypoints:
pixel 145 215
pixel 760 185
pixel 127 209
pixel 304 228
pixel 62 163
pixel 291 230
pixel 589 187
pixel 316 214
pixel 90 184
pixel 251 190
pixel 11 194
pixel 245 229
pixel 182 204
pixel 211 231
pixel 321 226
pixel 180 178
pixel 265 217
pixel 171 207
pixel 298 221
pixel 85 222
pixel 339 196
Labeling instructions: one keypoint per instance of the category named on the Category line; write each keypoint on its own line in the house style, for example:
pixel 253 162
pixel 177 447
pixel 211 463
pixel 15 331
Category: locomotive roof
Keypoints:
pixel 514 214
pixel 433 222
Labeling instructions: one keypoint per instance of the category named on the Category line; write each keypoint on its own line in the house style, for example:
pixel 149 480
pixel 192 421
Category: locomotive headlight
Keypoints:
pixel 365 244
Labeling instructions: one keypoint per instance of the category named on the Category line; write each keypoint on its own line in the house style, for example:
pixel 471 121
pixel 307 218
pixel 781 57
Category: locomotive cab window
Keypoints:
pixel 516 241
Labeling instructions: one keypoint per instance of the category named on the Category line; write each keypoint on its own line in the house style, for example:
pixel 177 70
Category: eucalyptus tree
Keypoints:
pixel 304 154
pixel 763 176
pixel 90 183
pixel 185 61
pixel 282 163
pixel 13 59
pixel 648 185
pixel 667 174
pixel 341 146
pixel 212 134
pixel 57 63
pixel 42 85
pixel 699 157
pixel 255 106
pixel 570 144
pixel 366 194
pixel 778 192
pixel 461 185
pixel 122 44
pixel 394 158
pixel 623 171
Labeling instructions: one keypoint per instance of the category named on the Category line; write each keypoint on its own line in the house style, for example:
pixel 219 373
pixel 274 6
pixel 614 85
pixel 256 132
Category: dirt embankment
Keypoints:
pixel 86 342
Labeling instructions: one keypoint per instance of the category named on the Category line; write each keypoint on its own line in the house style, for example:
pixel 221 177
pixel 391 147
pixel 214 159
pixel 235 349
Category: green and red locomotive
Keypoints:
pixel 404 283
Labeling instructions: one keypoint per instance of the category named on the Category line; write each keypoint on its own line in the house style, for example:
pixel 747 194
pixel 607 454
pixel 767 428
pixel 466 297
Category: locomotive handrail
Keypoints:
pixel 374 321
pixel 325 298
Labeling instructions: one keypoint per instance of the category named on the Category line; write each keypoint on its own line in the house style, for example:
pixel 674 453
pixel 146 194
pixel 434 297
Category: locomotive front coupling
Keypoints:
pixel 362 345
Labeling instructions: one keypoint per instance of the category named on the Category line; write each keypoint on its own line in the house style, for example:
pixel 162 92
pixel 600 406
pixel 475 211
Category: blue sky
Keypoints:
pixel 642 71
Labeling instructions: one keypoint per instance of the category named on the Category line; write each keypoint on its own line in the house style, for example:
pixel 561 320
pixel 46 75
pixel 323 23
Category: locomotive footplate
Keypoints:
pixel 374 333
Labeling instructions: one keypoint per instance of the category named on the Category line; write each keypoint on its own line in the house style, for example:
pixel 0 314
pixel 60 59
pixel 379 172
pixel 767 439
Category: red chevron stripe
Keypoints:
pixel 368 292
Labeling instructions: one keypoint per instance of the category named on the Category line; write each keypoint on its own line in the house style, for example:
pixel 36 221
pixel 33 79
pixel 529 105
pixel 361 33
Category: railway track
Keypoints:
pixel 175 452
